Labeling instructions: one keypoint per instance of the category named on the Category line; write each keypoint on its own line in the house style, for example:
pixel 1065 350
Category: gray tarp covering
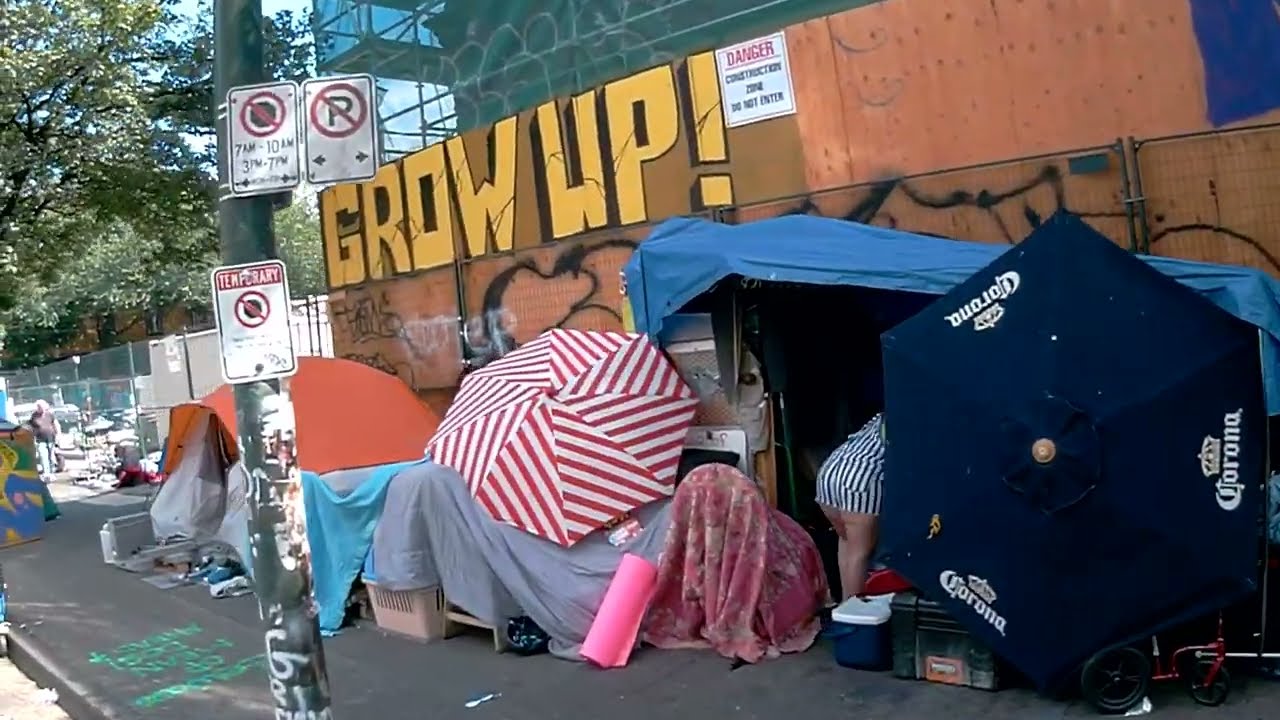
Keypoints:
pixel 433 533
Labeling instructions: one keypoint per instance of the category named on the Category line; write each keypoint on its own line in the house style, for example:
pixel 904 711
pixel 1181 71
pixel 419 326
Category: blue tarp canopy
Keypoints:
pixel 685 257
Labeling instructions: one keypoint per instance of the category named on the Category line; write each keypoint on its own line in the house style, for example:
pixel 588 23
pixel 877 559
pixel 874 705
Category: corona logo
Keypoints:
pixel 986 309
pixel 1220 461
pixel 1210 456
pixel 982 589
pixel 975 592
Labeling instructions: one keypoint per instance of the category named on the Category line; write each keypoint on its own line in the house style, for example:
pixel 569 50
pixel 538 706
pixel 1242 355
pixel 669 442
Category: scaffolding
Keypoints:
pixel 444 67
pixel 391 40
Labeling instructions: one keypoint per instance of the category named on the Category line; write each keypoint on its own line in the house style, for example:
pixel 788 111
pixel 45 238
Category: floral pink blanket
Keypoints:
pixel 735 575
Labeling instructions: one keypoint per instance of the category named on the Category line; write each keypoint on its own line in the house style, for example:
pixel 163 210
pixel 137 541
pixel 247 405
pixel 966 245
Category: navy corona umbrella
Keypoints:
pixel 1075 450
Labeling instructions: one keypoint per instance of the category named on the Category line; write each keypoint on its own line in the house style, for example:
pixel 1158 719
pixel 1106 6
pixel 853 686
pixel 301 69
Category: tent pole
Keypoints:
pixel 186 365
pixel 277 541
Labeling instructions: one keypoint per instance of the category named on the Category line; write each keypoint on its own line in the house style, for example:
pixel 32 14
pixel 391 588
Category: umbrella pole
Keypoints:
pixel 1266 551
pixel 785 423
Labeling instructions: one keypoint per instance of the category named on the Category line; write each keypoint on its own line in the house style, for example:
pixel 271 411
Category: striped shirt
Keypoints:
pixel 851 477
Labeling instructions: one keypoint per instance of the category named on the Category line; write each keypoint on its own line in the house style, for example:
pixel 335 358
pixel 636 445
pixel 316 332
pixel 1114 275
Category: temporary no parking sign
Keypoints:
pixel 251 304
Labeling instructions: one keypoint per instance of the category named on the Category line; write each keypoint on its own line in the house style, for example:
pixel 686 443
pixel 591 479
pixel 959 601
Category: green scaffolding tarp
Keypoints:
pixel 499 57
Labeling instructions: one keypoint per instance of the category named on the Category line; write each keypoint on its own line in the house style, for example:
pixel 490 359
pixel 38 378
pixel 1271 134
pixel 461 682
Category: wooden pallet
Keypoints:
pixel 456 620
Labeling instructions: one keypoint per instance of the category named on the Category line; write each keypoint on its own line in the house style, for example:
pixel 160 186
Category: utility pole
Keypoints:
pixel 278 547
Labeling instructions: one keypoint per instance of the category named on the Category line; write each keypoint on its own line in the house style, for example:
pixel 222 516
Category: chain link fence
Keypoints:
pixel 96 396
pixel 100 395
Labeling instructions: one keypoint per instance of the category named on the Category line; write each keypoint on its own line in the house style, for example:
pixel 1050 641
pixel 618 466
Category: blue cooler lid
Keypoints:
pixel 864 611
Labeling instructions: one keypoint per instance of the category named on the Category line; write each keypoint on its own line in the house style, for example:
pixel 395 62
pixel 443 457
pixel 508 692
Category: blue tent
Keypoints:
pixel 684 257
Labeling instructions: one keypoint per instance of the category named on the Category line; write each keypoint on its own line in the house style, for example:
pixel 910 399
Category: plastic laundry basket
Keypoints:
pixel 417 614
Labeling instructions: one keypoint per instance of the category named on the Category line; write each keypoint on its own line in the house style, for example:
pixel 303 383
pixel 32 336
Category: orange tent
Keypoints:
pixel 348 415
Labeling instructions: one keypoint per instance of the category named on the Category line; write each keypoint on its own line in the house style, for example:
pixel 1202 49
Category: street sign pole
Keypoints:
pixel 279 557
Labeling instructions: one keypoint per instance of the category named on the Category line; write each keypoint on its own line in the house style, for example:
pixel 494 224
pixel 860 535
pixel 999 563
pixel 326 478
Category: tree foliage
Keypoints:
pixel 298 240
pixel 106 159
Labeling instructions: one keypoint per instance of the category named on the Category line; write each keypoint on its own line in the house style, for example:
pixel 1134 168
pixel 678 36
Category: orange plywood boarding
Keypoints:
pixel 1214 198
pixel 537 214
pixel 969 119
pixel 574 284
pixel 640 149
pixel 921 85
pixel 407 327
pixel 996 203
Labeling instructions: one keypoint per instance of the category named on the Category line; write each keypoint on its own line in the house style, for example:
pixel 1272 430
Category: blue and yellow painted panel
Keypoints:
pixel 21 490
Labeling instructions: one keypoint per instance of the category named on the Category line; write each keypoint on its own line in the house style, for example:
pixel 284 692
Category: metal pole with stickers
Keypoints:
pixel 259 159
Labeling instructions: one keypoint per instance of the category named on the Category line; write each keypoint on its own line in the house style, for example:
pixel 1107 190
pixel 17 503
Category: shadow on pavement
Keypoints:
pixel 130 651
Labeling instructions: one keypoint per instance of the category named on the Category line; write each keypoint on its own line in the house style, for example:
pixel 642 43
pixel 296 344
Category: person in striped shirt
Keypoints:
pixel 849 488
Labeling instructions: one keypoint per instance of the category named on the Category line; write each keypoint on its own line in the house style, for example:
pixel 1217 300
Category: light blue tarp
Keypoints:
pixel 340 532
pixel 684 257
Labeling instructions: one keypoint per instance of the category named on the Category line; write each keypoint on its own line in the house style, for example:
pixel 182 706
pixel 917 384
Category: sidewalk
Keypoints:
pixel 21 698
pixel 120 648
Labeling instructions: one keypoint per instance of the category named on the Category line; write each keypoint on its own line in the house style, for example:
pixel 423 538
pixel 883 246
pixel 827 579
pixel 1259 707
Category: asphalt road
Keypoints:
pixel 133 651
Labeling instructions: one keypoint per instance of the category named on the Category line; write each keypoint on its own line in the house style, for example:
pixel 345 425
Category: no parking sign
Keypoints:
pixel 251 303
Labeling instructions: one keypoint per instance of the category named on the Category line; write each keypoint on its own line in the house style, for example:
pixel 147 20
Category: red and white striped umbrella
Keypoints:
pixel 568 432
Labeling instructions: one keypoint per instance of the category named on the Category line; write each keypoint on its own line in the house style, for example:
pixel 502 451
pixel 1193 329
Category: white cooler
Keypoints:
pixel 125 536
pixel 860 633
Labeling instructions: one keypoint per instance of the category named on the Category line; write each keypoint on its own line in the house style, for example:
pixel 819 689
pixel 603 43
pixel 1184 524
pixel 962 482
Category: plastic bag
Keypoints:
pixel 526 637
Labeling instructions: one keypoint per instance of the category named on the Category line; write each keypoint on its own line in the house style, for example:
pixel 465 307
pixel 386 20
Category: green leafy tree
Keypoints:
pixel 106 190
pixel 183 95
pixel 299 245
pixel 73 108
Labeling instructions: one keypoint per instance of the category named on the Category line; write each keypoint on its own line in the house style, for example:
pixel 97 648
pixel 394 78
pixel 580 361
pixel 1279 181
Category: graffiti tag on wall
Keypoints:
pixel 469 247
pixel 412 328
pixel 648 146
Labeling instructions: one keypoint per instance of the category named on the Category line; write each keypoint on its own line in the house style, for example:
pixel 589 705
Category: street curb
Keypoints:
pixel 33 660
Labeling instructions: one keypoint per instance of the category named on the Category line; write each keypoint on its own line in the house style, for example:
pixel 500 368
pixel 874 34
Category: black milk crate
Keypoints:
pixel 929 645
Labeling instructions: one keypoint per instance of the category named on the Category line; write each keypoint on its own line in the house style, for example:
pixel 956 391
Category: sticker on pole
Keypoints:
pixel 263 152
pixel 251 305
pixel 340 129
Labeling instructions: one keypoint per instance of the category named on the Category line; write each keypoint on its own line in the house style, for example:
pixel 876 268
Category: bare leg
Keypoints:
pixel 860 532
pixel 836 518
pixel 842 563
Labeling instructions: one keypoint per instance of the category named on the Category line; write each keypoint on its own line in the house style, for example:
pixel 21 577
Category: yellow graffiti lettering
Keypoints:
pixel 341 235
pixel 426 184
pixel 643 119
pixel 572 168
pixel 708 137
pixel 486 209
pixel 385 247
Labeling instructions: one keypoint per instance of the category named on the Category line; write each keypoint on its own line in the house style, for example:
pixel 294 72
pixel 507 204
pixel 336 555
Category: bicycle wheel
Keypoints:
pixel 1114 681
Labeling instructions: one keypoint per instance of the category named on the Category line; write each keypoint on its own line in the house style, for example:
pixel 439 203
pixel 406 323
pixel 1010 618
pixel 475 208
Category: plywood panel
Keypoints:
pixel 408 327
pixel 1215 198
pixel 998 203
pixel 574 284
pixel 929 84
pixel 819 113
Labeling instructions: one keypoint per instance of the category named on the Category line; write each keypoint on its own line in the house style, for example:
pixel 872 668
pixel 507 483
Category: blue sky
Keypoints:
pixel 398 95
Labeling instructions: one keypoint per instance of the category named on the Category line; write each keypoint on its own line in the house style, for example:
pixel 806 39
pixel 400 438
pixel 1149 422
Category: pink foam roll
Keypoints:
pixel 613 633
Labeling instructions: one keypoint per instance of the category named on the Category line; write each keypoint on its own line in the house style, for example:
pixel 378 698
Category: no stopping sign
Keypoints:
pixel 252 309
